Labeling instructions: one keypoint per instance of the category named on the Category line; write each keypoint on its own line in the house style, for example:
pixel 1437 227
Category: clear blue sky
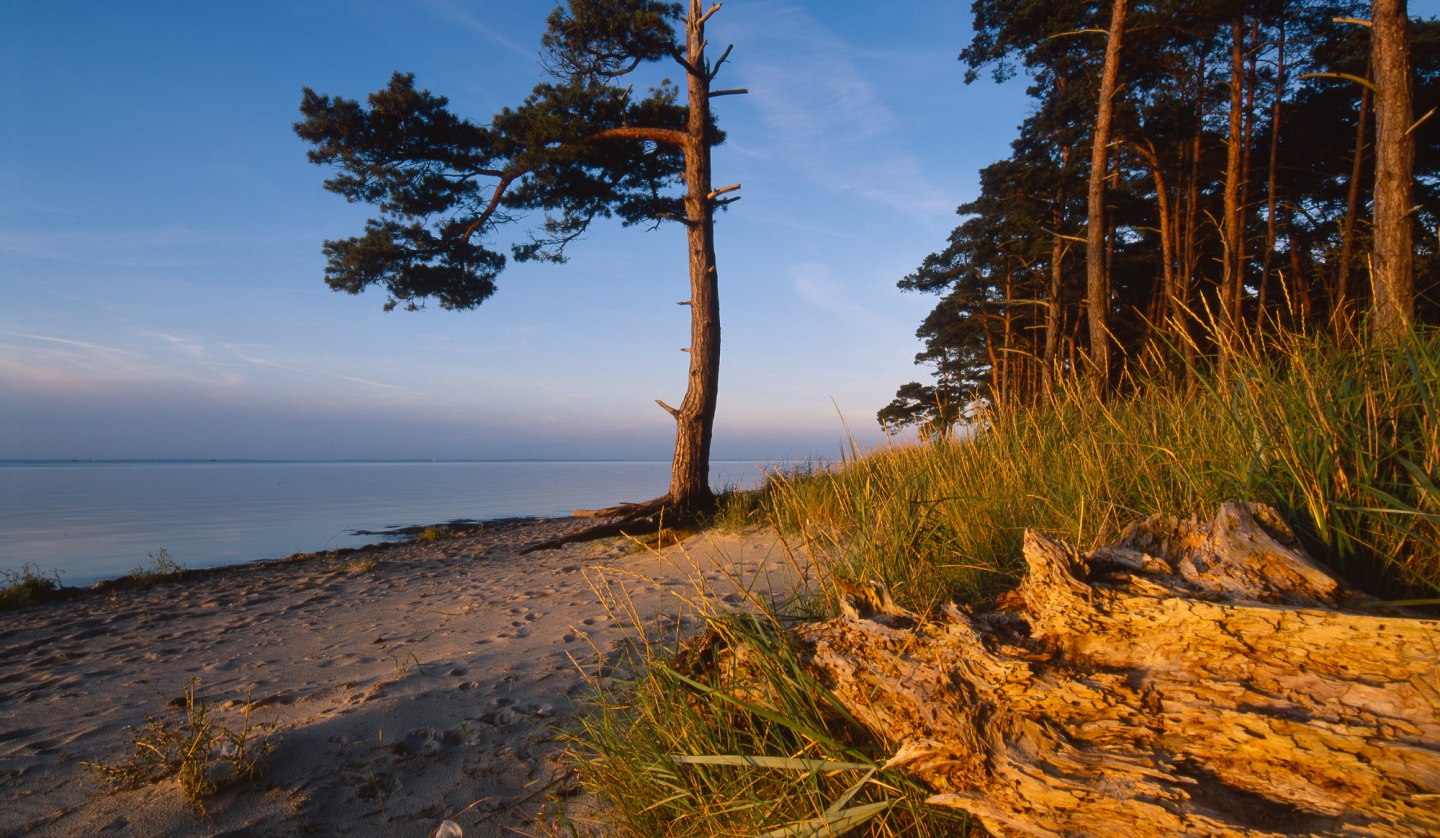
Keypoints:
pixel 160 232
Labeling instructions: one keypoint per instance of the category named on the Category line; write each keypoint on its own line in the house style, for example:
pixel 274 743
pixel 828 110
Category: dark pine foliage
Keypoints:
pixel 1010 322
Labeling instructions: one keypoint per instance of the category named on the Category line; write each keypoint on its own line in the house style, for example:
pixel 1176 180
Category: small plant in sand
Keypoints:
pixel 162 568
pixel 190 745
pixel 360 564
pixel 28 587
pixel 433 534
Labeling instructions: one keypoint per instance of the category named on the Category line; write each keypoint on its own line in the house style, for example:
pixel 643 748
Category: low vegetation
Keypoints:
pixel 28 587
pixel 190 745
pixel 162 568
pixel 733 735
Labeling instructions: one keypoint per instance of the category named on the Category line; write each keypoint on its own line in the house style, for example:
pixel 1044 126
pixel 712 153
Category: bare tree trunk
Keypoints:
pixel 997 380
pixel 1189 252
pixel 1054 304
pixel 1341 319
pixel 1169 228
pixel 1393 270
pixel 1097 274
pixel 695 418
pixel 1232 224
pixel 1007 335
pixel 1270 198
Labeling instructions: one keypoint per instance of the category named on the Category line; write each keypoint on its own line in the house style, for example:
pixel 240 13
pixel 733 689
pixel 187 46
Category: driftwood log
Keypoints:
pixel 1199 678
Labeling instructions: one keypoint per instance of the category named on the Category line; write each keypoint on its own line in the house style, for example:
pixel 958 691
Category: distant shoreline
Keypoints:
pixel 408 536
pixel 92 521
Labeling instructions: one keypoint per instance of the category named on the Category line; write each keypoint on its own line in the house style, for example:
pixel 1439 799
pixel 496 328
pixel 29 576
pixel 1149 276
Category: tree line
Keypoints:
pixel 1192 175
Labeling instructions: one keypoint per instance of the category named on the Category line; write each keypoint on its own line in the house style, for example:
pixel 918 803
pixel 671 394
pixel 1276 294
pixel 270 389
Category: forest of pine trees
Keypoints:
pixel 1236 194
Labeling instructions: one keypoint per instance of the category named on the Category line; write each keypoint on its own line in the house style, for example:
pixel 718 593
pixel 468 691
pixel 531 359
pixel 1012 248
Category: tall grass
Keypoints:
pixel 733 736
pixel 1343 441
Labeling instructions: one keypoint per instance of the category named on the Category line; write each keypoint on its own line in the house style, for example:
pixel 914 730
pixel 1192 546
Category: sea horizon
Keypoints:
pixel 91 520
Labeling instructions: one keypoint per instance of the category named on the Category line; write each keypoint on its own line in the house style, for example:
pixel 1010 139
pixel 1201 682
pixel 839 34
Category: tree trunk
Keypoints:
pixel 1097 274
pixel 695 419
pixel 1195 679
pixel 1054 304
pixel 1340 313
pixel 1232 225
pixel 1271 225
pixel 1189 248
pixel 1393 269
pixel 1169 228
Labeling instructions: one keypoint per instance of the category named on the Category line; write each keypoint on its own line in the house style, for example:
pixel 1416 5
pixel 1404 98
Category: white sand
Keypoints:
pixel 425 688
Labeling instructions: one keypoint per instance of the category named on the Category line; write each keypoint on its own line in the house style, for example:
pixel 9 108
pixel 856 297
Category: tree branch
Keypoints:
pixel 507 177
pixel 715 68
pixel 668 409
pixel 670 216
pixel 732 91
pixel 685 62
pixel 656 135
pixel 1346 76
pixel 1421 120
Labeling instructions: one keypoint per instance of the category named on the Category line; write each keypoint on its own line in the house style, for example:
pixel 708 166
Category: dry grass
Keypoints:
pixel 732 735
pixel 190 745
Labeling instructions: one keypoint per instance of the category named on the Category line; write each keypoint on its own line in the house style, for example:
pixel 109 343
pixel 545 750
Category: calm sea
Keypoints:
pixel 93 521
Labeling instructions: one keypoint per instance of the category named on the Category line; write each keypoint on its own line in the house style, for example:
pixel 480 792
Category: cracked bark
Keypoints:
pixel 1200 678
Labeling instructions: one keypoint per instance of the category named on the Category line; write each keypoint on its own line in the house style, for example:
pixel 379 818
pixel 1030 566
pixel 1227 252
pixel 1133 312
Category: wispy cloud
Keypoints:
pixel 158 247
pixel 822 112
pixel 816 284
pixel 316 372
pixel 67 363
pixel 157 357
pixel 460 15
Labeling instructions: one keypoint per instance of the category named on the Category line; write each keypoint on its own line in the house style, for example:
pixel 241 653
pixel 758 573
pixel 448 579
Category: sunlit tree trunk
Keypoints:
pixel 1232 224
pixel 1097 273
pixel 1393 267
pixel 695 418
pixel 1054 302
pixel 1271 225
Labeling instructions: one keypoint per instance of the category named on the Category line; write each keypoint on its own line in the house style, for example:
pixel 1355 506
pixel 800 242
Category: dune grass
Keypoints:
pixel 740 739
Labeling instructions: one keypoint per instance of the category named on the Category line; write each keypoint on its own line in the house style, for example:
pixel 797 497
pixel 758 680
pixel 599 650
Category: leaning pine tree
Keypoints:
pixel 580 147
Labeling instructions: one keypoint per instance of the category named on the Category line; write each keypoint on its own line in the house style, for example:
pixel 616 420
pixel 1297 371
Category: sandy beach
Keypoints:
pixel 402 685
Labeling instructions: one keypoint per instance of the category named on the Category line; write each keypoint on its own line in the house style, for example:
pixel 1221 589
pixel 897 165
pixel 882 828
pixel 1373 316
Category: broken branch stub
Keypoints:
pixel 1198 678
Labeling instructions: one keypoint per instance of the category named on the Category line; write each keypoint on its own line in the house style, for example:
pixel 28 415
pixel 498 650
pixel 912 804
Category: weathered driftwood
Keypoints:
pixel 1195 679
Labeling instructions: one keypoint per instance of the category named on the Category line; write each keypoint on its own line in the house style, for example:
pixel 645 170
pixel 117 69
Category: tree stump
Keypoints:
pixel 1198 678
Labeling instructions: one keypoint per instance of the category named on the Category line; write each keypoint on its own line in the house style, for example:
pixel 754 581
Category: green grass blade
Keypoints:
pixel 788 763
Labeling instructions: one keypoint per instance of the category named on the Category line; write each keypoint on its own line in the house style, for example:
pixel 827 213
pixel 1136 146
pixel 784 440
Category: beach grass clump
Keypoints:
pixel 28 587
pixel 732 736
pixel 359 564
pixel 432 534
pixel 190 745
pixel 1342 439
pixel 162 568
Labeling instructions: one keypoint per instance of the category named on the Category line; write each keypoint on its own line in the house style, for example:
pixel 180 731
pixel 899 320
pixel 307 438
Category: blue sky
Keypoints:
pixel 160 234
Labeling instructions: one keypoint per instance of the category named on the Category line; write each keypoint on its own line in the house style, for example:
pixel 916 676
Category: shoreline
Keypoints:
pixel 405 683
pixel 403 535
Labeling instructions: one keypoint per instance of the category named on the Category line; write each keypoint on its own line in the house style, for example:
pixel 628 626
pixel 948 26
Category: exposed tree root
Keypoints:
pixel 631 519
pixel 1198 678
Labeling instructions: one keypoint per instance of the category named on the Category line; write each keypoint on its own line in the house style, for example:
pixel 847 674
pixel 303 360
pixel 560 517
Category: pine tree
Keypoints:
pixel 582 146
